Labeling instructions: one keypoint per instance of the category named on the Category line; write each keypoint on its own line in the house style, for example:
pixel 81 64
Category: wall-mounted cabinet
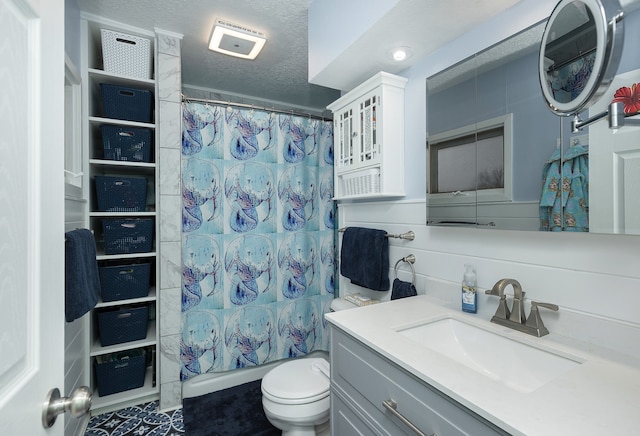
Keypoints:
pixel 119 138
pixel 369 139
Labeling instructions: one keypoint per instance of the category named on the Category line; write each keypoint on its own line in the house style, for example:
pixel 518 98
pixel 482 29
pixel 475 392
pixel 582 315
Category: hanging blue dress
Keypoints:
pixel 550 202
pixel 576 205
pixel 564 203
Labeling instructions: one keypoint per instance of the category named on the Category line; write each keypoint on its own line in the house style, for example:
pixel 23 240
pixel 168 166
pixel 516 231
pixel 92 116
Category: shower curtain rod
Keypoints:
pixel 253 106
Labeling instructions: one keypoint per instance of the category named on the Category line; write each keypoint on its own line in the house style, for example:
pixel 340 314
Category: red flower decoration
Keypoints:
pixel 630 97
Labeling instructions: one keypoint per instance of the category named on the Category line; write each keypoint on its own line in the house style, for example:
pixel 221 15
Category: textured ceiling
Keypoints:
pixel 279 73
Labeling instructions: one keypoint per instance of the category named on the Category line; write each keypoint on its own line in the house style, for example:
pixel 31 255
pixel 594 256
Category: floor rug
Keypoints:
pixel 236 411
pixel 142 420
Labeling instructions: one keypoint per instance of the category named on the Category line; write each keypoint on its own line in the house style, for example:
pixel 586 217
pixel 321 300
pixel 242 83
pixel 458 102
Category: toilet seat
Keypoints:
pixel 299 381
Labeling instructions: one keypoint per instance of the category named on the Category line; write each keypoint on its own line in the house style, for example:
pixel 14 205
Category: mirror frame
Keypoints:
pixel 607 16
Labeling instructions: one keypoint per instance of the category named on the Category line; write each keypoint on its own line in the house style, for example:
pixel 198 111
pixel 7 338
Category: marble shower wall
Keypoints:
pixel 169 79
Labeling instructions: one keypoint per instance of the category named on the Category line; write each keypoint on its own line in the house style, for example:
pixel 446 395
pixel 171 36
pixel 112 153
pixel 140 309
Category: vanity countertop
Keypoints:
pixel 598 396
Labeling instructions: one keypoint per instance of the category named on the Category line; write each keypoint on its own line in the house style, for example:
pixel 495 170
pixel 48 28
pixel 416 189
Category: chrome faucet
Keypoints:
pixel 515 318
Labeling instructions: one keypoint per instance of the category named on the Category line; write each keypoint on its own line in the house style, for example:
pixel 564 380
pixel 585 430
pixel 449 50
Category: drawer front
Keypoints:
pixel 347 422
pixel 370 380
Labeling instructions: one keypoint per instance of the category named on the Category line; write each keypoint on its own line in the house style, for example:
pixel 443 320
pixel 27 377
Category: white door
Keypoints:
pixel 31 212
pixel 614 169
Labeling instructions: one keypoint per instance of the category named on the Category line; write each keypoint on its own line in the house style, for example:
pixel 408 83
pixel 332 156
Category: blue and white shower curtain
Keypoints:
pixel 258 237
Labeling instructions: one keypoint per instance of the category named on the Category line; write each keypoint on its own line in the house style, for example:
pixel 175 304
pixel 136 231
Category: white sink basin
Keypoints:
pixel 515 364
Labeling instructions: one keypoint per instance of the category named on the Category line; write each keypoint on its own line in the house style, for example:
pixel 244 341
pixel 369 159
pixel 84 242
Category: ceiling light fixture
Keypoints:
pixel 400 54
pixel 235 40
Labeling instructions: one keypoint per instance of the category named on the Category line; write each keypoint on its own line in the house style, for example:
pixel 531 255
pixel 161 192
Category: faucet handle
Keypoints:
pixel 535 321
pixel 502 311
pixel 550 306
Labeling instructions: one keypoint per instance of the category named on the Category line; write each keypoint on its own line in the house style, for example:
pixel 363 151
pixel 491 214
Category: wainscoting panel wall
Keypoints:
pixel 591 276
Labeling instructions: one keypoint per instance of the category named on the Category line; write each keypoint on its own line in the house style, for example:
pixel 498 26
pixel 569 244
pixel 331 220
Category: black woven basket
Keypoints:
pixel 116 326
pixel 124 236
pixel 120 372
pixel 131 104
pixel 121 282
pixel 132 144
pixel 121 194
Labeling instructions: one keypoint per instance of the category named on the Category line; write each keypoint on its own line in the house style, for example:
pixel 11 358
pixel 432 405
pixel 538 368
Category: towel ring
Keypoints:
pixel 410 259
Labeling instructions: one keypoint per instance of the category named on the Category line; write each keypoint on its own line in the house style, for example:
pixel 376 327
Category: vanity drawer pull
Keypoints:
pixel 392 407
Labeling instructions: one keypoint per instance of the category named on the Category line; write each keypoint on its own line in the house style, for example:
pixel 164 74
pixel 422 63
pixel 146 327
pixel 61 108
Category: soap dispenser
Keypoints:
pixel 469 287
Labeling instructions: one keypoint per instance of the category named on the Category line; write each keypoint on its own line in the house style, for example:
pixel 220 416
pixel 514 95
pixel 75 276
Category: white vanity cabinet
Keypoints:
pixel 361 380
pixel 369 139
pixel 103 163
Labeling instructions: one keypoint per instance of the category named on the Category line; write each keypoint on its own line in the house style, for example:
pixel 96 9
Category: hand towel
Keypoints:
pixel 82 281
pixel 364 258
pixel 402 289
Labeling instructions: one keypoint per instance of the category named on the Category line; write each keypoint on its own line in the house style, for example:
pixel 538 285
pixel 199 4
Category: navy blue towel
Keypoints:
pixel 402 289
pixel 364 258
pixel 82 282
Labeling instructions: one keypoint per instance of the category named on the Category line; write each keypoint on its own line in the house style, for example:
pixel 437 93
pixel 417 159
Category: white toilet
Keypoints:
pixel 295 394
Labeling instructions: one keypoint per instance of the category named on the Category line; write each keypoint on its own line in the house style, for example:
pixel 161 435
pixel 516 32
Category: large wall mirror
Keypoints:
pixel 498 158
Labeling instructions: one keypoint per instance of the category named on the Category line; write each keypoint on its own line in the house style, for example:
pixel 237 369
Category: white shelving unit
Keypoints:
pixel 369 139
pixel 93 75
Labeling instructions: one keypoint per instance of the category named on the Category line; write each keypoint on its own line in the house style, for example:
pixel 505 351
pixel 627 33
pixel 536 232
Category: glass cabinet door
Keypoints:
pixel 368 146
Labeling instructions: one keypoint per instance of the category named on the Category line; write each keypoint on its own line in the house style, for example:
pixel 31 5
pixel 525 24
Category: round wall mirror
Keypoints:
pixel 579 54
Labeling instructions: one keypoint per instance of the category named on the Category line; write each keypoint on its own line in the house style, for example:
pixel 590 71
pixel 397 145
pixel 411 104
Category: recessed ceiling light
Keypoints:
pixel 235 40
pixel 400 53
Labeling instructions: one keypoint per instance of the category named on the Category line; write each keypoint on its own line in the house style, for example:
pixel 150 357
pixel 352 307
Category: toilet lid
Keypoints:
pixel 297 381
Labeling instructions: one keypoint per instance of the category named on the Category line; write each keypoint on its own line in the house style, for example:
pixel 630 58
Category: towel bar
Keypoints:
pixel 410 259
pixel 410 236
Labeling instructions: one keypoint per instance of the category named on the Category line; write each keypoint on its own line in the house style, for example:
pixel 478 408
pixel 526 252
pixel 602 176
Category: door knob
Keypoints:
pixel 79 403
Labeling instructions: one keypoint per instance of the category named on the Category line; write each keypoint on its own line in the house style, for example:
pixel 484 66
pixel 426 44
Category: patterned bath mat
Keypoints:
pixel 138 421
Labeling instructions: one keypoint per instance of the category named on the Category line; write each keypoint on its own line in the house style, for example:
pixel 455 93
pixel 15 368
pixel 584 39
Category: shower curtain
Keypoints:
pixel 258 236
